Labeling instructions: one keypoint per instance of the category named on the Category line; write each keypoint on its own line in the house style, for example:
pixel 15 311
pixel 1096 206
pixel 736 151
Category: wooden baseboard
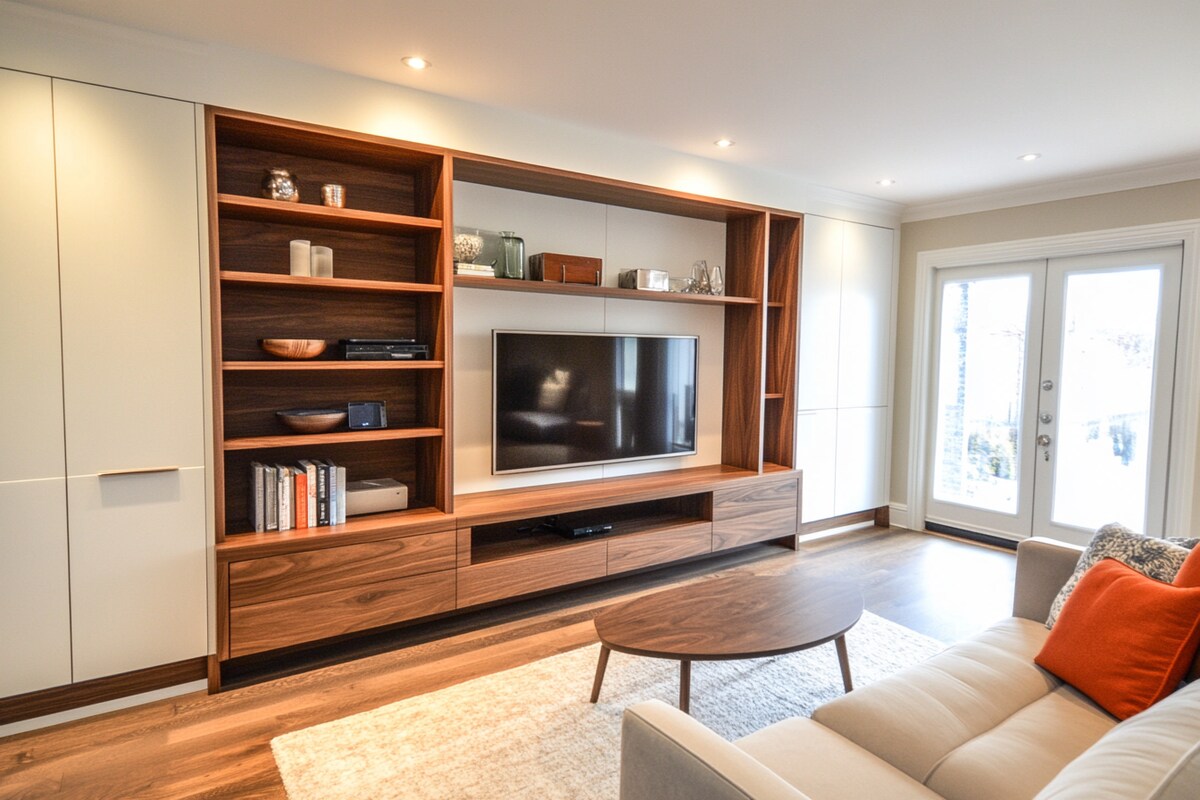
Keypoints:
pixel 858 517
pixel 86 693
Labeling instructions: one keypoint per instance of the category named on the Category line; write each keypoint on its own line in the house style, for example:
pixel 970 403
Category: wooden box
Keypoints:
pixel 559 268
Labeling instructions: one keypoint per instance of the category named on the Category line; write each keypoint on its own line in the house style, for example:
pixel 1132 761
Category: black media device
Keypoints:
pixel 383 350
pixel 366 415
pixel 570 399
pixel 568 531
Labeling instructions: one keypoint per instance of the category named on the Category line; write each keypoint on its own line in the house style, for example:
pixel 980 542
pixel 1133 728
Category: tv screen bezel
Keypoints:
pixel 614 335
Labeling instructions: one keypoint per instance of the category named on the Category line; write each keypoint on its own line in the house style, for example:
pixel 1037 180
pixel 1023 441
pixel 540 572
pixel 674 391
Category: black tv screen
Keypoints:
pixel 570 399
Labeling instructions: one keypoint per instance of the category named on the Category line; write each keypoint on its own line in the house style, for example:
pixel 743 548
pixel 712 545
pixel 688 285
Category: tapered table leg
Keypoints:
pixel 844 661
pixel 600 667
pixel 685 686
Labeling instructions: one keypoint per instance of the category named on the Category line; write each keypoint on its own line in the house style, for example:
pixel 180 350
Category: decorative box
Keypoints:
pixel 559 268
pixel 650 280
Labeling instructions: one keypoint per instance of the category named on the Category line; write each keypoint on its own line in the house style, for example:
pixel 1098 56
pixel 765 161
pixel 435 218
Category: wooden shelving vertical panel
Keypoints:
pixel 742 424
pixel 436 458
pixel 784 246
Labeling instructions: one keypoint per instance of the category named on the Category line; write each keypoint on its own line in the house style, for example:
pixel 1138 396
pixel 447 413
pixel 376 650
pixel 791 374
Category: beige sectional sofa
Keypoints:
pixel 979 721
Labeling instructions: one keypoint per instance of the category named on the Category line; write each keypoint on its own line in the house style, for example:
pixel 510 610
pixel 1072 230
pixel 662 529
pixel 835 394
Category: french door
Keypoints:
pixel 1052 391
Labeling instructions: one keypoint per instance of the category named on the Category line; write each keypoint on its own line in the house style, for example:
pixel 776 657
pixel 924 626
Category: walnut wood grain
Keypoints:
pixel 281 281
pixel 658 546
pixel 337 437
pixel 741 423
pixel 369 528
pixel 853 518
pixel 262 209
pixel 584 290
pixel 733 617
pixel 755 513
pixel 262 580
pixel 308 618
pixel 498 580
pixel 783 274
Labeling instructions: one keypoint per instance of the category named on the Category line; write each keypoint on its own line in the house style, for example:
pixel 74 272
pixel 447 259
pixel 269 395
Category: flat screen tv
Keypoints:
pixel 572 399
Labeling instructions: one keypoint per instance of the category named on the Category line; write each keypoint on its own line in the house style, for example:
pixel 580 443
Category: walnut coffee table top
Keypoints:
pixel 737 616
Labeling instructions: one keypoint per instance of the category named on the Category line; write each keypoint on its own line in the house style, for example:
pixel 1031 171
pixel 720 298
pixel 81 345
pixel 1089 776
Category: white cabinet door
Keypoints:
pixel 129 253
pixel 862 453
pixel 816 455
pixel 864 346
pixel 138 593
pixel 820 312
pixel 35 614
pixel 31 405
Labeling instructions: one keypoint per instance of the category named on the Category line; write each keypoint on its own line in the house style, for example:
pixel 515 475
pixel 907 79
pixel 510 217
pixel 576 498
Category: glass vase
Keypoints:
pixel 511 263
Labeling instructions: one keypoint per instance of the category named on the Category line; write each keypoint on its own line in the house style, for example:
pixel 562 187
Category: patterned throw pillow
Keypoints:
pixel 1156 558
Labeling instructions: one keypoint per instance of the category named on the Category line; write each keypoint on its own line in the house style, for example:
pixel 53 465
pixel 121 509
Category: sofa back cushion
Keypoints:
pixel 1154 755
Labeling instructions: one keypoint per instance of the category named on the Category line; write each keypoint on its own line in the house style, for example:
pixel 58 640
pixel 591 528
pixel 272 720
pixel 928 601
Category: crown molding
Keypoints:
pixel 1056 190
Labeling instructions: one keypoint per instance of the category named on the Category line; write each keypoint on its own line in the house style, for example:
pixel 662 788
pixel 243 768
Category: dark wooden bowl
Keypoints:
pixel 294 349
pixel 312 420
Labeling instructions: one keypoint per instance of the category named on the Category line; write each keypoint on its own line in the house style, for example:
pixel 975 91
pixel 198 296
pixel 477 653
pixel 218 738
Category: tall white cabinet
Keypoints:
pixel 102 489
pixel 847 301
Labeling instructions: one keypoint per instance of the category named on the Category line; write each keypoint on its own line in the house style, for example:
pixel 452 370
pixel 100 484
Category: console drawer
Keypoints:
pixel 754 512
pixel 267 626
pixel 509 577
pixel 261 580
pixel 658 547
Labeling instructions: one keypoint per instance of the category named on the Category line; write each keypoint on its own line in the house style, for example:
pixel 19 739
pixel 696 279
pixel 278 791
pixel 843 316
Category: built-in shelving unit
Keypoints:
pixel 392 279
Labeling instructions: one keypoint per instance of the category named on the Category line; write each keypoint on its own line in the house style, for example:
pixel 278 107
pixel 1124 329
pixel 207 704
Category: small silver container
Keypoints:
pixel 650 280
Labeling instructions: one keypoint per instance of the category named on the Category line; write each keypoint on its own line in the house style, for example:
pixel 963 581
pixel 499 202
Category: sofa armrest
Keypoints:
pixel 667 755
pixel 1043 566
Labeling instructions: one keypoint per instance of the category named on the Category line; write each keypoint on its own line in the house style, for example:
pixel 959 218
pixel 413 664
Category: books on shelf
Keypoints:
pixel 307 494
pixel 478 270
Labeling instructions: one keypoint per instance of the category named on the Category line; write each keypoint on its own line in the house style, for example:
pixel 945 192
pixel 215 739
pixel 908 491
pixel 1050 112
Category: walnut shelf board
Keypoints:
pixel 773 396
pixel 371 528
pixel 775 304
pixel 303 366
pixel 486 507
pixel 583 290
pixel 261 209
pixel 544 541
pixel 341 437
pixel 332 284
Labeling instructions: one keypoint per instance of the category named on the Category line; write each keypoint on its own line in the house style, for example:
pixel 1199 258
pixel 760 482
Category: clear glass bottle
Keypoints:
pixel 511 263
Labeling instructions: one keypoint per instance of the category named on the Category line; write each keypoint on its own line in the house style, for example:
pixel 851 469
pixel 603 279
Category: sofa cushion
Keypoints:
pixel 914 718
pixel 1024 752
pixel 1189 573
pixel 1123 639
pixel 1156 558
pixel 826 766
pixel 1154 755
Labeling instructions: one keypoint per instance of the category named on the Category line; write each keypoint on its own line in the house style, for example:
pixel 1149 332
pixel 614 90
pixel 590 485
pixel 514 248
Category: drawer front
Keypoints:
pixel 756 512
pixel 658 547
pixel 510 577
pixel 267 626
pixel 261 580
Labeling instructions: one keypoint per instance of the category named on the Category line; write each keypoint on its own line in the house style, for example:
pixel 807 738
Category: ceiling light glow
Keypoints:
pixel 415 62
pixel 1029 157
pixel 886 182
pixel 723 142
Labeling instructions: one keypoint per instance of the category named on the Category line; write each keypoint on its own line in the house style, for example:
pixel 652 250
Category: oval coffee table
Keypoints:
pixel 733 617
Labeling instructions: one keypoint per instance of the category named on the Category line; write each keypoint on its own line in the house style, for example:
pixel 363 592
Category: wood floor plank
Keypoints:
pixel 218 746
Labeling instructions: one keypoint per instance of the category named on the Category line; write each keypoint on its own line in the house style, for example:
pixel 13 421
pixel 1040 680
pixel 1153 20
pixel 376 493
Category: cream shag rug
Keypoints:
pixel 530 732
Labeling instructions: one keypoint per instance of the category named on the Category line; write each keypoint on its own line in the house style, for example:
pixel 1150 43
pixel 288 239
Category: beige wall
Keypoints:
pixel 1165 203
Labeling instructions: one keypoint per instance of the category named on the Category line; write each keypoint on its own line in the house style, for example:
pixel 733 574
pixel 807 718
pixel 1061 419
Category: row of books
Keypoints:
pixel 307 494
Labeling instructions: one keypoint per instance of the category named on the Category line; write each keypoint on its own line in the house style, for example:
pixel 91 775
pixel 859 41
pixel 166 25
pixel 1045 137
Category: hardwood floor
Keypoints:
pixel 201 746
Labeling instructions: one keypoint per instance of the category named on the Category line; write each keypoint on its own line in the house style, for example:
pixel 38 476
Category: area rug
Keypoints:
pixel 530 732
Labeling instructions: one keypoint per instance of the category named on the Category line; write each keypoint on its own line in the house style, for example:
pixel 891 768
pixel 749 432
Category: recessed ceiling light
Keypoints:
pixel 885 182
pixel 415 62
pixel 1029 157
pixel 723 142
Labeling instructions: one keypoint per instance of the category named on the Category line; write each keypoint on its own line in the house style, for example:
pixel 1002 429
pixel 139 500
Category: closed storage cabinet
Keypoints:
pixel 35 621
pixel 757 511
pixel 848 282
pixel 132 377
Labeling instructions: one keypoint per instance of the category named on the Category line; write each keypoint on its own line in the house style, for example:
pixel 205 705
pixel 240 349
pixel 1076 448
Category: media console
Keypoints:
pixel 300 590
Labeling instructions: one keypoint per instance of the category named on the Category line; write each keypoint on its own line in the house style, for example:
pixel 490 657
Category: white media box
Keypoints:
pixel 372 496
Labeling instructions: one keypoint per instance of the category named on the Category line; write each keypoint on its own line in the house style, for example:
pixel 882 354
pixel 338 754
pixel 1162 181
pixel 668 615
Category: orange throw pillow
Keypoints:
pixel 1189 573
pixel 1123 639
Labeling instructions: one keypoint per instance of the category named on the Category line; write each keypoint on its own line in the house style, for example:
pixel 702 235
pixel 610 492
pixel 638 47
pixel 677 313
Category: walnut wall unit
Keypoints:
pixel 392 278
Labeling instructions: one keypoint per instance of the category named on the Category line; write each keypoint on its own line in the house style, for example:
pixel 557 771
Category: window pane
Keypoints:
pixel 981 374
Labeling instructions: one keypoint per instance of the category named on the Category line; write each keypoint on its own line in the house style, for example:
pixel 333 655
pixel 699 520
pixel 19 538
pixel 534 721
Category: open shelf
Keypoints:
pixel 261 209
pixel 275 281
pixel 334 366
pixel 546 287
pixel 341 437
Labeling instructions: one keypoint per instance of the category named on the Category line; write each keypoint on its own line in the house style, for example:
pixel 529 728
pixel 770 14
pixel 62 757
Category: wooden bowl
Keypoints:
pixel 294 349
pixel 312 420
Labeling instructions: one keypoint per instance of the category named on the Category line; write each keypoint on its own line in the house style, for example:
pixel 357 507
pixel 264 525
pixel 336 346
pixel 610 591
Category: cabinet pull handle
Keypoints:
pixel 110 473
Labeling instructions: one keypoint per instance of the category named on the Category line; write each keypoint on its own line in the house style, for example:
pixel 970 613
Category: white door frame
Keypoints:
pixel 1185 415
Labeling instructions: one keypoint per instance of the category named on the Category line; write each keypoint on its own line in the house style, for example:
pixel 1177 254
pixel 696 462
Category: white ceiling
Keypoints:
pixel 941 95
